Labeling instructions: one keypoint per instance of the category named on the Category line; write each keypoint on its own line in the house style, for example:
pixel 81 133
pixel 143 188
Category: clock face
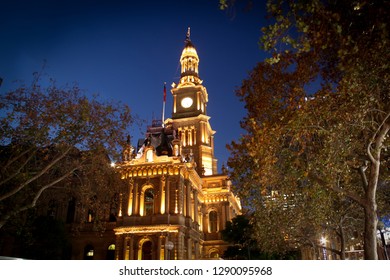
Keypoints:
pixel 186 102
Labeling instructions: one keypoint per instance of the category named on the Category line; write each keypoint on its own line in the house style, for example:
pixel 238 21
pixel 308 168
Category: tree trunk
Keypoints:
pixel 370 229
pixel 371 220
pixel 342 242
pixel 370 215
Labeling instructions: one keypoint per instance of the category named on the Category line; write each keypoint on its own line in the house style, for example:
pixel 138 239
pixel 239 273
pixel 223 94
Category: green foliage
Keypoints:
pixel 242 233
pixel 238 230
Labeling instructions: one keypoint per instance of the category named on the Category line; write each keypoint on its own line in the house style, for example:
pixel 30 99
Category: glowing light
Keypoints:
pixel 90 253
pixel 130 203
pixel 112 164
pixel 323 240
pixel 162 206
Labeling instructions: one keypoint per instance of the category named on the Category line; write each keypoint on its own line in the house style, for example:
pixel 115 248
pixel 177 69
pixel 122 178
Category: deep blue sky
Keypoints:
pixel 126 50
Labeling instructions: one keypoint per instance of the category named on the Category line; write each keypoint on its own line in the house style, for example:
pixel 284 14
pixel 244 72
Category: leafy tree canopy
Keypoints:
pixel 318 115
pixel 53 137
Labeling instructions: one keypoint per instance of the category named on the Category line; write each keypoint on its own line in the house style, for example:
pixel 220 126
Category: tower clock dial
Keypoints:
pixel 186 102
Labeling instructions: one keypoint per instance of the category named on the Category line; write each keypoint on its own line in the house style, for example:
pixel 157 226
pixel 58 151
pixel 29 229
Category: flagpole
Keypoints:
pixel 164 100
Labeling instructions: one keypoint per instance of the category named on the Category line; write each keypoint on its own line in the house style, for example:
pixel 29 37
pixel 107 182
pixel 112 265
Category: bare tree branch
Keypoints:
pixel 22 165
pixel 39 174
pixel 7 216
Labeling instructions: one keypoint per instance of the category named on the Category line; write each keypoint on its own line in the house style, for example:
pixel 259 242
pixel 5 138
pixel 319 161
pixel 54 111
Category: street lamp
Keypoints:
pixel 323 241
pixel 169 245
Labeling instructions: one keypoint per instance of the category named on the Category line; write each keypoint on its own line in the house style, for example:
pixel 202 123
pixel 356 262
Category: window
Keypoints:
pixel 149 202
pixel 149 156
pixel 90 216
pixel 111 252
pixel 147 250
pixel 213 221
pixel 214 254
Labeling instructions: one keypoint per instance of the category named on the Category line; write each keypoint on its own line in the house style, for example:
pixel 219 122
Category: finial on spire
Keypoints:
pixel 188 34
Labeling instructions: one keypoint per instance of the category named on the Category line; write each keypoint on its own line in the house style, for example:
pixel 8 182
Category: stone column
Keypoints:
pixel 158 253
pixel 188 200
pixel 131 248
pixel 189 248
pixel 130 200
pixel 156 200
pixel 231 214
pixel 195 194
pixel 206 227
pixel 167 197
pixel 119 247
pixel 180 246
pixel 223 216
pixel 194 136
pixel 126 248
pixel 135 200
pixel 196 250
pixel 162 195
pixel 180 196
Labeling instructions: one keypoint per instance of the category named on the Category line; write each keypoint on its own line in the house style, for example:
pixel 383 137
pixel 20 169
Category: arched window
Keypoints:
pixel 213 221
pixel 149 202
pixel 149 155
pixel 214 254
pixel 147 250
pixel 88 252
pixel 90 216
pixel 111 252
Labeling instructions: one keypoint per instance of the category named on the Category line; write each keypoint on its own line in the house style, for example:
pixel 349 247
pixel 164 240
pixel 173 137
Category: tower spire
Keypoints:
pixel 189 61
pixel 188 34
pixel 164 101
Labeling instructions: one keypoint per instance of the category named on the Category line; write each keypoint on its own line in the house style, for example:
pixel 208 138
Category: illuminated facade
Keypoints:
pixel 175 204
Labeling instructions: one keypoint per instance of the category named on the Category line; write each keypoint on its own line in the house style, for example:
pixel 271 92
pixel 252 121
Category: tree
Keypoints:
pixel 319 108
pixel 44 238
pixel 52 137
pixel 239 233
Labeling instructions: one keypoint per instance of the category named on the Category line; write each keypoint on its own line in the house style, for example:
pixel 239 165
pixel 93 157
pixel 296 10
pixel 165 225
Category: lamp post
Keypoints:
pixel 323 244
pixel 169 246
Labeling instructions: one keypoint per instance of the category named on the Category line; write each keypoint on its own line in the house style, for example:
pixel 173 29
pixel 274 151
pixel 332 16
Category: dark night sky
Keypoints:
pixel 126 50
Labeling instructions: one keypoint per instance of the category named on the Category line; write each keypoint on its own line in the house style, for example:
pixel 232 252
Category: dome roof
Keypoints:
pixel 189 50
pixel 189 61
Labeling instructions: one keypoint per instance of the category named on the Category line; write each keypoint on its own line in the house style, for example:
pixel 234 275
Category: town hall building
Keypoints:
pixel 172 203
pixel 175 204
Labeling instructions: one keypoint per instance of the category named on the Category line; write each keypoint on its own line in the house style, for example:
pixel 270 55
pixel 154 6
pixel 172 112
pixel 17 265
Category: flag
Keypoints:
pixel 165 93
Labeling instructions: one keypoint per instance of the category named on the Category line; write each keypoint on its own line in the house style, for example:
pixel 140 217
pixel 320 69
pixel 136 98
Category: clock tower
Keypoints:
pixel 189 114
